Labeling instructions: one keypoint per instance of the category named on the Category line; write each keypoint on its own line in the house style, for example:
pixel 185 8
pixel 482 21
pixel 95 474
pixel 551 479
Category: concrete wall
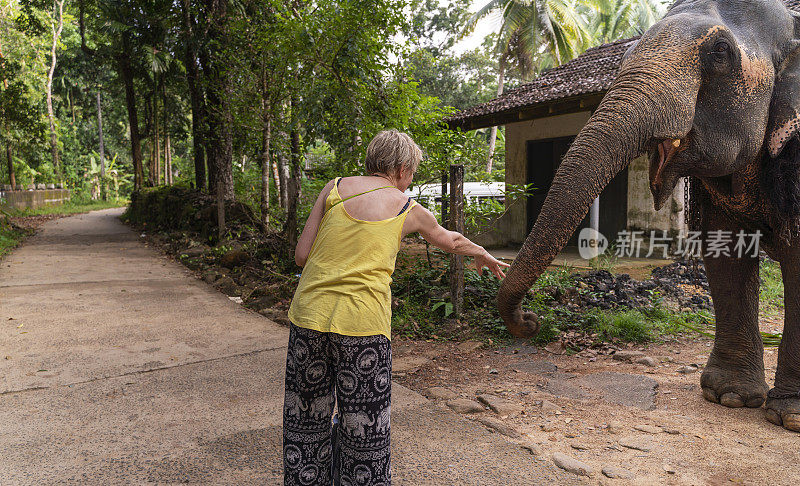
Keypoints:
pixel 641 213
pixel 33 199
pixel 511 229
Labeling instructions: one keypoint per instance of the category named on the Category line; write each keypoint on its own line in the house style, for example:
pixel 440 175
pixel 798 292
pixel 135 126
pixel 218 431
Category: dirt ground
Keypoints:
pixel 556 403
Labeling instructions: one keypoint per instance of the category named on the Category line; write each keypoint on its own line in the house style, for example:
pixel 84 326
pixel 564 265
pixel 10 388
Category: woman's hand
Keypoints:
pixel 495 265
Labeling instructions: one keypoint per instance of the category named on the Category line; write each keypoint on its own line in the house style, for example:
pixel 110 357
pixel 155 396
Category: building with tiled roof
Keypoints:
pixel 541 119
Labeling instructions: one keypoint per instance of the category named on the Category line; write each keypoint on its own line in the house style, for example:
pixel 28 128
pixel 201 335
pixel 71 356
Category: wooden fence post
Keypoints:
pixel 457 224
pixel 444 200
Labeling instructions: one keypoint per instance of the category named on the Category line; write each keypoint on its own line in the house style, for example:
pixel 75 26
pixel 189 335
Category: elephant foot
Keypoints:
pixel 525 325
pixel 784 410
pixel 733 386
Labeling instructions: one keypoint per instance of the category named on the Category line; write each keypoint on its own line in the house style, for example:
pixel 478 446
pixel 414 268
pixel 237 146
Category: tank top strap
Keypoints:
pixel 338 199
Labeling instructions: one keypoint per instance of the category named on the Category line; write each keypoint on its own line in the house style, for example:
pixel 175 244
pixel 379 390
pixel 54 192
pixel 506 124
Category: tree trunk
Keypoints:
pixel 290 229
pixel 58 9
pixel 283 174
pixel 266 133
pixel 156 142
pixel 493 133
pixel 168 154
pixel 126 74
pixel 167 147
pixel 103 190
pixel 277 178
pixel 197 100
pixel 12 177
pixel 219 94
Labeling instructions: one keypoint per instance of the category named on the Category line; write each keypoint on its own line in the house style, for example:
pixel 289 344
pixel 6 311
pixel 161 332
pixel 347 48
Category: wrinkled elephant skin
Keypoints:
pixel 711 91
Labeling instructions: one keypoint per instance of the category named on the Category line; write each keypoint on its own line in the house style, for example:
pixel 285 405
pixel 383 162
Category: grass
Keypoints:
pixel 10 237
pixel 771 298
pixel 70 208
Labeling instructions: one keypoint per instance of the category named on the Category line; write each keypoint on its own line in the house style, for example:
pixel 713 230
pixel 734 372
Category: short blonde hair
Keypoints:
pixel 390 151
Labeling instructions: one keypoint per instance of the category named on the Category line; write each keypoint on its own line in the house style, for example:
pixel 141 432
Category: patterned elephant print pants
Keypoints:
pixel 324 368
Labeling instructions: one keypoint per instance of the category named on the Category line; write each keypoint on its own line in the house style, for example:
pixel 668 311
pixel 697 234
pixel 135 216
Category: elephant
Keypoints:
pixel 711 91
pixel 356 423
pixel 322 407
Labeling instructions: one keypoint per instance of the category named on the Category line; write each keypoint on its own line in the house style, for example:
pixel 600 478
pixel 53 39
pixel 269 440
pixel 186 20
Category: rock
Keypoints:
pixel 440 393
pixel 276 315
pixel 196 263
pixel 409 364
pixel 469 346
pixel 262 302
pixel 500 406
pixel 615 472
pixel 615 428
pixel 572 465
pixel 493 371
pixel 687 369
pixel 548 406
pixel 635 444
pixel 194 251
pixel 646 360
pixel 211 276
pixel 580 447
pixel 625 355
pixel 262 291
pixel 536 367
pixel 549 426
pixel 623 389
pixel 557 347
pixel 650 429
pixel 532 448
pixel 227 286
pixel 671 431
pixel 238 300
pixel 51 186
pixel 464 405
pixel 669 469
pixel 234 258
pixel 499 427
pixel 40 186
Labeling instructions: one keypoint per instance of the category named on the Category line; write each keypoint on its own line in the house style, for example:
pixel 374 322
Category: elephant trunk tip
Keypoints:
pixel 519 324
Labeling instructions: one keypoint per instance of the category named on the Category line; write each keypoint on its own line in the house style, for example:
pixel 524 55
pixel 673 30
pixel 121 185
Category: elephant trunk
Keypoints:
pixel 624 125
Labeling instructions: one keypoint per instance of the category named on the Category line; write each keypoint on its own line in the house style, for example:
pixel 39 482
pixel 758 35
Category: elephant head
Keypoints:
pixel 706 91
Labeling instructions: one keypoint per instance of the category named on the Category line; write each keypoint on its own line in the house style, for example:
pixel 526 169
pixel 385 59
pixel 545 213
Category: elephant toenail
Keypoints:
pixel 755 402
pixel 791 421
pixel 733 400
pixel 709 395
pixel 773 416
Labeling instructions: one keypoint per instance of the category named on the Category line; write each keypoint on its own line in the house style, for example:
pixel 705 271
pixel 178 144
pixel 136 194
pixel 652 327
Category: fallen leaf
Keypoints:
pixel 20 325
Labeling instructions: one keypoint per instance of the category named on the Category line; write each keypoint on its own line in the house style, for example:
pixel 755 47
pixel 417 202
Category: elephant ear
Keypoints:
pixel 784 113
pixel 781 166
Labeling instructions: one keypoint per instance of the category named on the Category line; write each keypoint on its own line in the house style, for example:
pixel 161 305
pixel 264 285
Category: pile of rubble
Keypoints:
pixel 681 286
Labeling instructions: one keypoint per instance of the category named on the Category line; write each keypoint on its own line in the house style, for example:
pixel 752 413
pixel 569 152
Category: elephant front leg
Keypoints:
pixel 783 402
pixel 734 374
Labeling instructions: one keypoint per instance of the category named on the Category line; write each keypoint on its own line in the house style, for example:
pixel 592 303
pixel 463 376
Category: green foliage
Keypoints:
pixel 771 299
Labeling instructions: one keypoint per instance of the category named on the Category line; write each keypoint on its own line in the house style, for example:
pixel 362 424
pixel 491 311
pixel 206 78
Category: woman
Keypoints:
pixel 339 350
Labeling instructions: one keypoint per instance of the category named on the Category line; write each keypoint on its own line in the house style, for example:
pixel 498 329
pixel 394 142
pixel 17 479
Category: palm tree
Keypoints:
pixel 532 31
pixel 611 20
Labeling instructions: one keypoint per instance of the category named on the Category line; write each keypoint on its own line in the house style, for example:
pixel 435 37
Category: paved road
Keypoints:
pixel 118 366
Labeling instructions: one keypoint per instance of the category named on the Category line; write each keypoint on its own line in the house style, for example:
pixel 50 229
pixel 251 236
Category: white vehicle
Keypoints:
pixel 474 192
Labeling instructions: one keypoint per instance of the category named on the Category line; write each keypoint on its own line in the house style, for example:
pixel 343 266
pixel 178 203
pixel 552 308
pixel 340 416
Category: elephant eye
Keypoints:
pixel 721 47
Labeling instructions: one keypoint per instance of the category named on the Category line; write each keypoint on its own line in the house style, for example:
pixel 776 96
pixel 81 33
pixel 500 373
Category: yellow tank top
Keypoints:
pixel 344 287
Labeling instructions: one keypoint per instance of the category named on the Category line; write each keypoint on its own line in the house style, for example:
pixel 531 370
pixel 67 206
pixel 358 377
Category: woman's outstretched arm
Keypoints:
pixel 422 221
